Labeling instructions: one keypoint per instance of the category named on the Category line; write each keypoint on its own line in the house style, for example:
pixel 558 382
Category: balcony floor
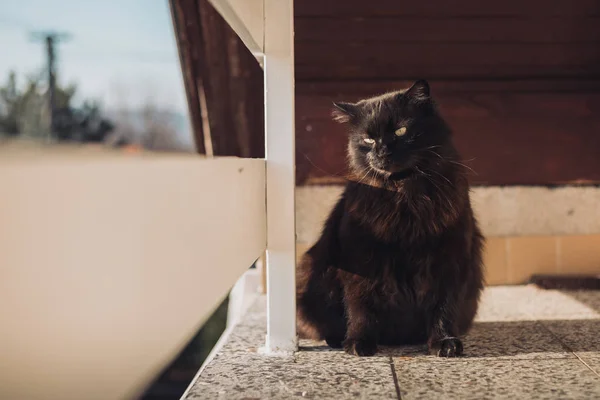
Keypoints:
pixel 527 343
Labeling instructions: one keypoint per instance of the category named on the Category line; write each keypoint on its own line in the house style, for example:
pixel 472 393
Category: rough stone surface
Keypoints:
pixel 499 341
pixel 527 343
pixel 581 337
pixel 522 379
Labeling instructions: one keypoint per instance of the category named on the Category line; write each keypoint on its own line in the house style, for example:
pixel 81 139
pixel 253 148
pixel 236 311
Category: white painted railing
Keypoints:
pixel 275 20
pixel 110 263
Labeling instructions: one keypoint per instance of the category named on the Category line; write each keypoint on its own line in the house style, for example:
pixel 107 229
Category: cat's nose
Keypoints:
pixel 383 151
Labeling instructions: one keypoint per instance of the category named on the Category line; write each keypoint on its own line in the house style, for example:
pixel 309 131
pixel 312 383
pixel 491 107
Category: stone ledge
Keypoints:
pixel 502 211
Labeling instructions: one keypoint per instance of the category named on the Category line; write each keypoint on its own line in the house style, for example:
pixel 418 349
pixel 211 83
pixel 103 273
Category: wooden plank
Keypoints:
pixel 530 151
pixel 339 89
pixel 233 87
pixel 437 8
pixel 389 71
pixel 213 65
pixel 227 76
pixel 185 25
pixel 98 250
pixel 401 29
pixel 450 54
pixel 445 61
pixel 459 105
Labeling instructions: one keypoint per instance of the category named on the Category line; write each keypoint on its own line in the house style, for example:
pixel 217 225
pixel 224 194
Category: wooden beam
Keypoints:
pixel 186 33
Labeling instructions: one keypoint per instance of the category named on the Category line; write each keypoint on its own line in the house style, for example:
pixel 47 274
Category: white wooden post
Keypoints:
pixel 280 175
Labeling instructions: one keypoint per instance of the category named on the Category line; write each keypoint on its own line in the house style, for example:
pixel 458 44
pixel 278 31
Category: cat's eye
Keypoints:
pixel 369 140
pixel 400 131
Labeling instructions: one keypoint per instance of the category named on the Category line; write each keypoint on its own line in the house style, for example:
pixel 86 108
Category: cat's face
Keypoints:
pixel 391 134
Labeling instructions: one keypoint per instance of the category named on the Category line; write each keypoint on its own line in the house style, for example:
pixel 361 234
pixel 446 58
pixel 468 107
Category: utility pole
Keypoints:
pixel 51 39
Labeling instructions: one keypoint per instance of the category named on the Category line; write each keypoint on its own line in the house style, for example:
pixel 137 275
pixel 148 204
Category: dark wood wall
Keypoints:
pixel 518 80
pixel 223 82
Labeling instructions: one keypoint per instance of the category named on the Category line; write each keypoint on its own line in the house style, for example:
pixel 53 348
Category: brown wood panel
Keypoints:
pixel 509 138
pixel 449 54
pixel 233 86
pixel 315 60
pixel 518 80
pixel 187 33
pixel 216 64
pixel 437 8
pixel 502 151
pixel 357 89
pixel 449 30
pixel 371 71
pixel 511 104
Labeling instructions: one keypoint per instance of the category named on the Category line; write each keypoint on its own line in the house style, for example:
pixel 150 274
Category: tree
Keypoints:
pixel 158 132
pixel 149 127
pixel 26 113
pixel 15 104
pixel 9 106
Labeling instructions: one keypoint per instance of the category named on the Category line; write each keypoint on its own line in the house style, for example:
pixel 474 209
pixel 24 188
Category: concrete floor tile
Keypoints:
pixel 519 348
pixel 516 379
pixel 581 336
pixel 499 340
pixel 238 371
pixel 528 303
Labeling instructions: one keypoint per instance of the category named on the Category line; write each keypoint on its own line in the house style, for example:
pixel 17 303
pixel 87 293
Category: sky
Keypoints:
pixel 120 52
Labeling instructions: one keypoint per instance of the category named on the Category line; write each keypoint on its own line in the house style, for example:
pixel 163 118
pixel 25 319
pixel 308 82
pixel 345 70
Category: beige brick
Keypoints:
pixel 579 254
pixel 529 255
pixel 494 260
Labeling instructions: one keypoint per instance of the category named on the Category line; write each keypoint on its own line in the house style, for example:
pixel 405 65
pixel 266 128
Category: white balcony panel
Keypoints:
pixel 110 263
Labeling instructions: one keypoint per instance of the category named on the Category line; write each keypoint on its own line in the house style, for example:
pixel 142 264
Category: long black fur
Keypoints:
pixel 399 258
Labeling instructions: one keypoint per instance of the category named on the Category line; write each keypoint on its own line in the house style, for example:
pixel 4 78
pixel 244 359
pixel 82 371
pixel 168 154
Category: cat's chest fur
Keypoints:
pixel 395 268
pixel 385 243
pixel 402 217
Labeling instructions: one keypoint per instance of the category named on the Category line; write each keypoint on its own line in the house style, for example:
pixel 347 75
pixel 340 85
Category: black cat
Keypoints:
pixel 399 258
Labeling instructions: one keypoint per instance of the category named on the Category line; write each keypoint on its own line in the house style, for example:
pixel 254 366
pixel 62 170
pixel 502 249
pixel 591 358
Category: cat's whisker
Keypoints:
pixel 429 178
pixel 364 176
pixel 442 176
pixel 454 162
pixel 464 165
pixel 441 191
pixel 437 154
pixel 321 169
pixel 434 171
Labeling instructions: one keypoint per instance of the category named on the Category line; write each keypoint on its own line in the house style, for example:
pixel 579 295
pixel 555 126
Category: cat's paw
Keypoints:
pixel 334 342
pixel 450 347
pixel 359 347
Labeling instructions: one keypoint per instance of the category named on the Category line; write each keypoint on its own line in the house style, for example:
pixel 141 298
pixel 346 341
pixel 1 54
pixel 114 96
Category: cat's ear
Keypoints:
pixel 419 90
pixel 344 112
